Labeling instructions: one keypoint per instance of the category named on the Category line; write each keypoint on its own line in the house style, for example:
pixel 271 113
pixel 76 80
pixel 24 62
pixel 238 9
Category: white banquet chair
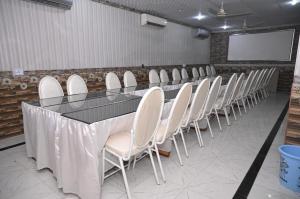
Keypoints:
pixel 195 73
pixel 76 85
pixel 195 111
pixel 153 77
pixel 210 102
pixel 127 144
pixel 112 81
pixel 262 83
pixel 176 74
pixel 184 74
pixel 170 126
pixel 242 96
pixel 252 86
pixel 208 71
pixel 201 72
pixel 49 87
pixel 129 79
pixel 236 91
pixel 213 70
pixel 164 76
pixel 223 102
pixel 259 83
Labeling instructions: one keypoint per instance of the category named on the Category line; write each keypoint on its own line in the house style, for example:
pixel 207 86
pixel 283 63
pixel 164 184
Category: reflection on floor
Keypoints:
pixel 214 171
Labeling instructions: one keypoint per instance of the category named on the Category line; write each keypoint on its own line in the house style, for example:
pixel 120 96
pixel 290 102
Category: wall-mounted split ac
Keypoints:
pixel 147 19
pixel 65 4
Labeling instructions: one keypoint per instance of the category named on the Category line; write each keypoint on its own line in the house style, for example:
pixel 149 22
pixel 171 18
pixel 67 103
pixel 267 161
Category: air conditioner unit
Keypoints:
pixel 65 4
pixel 153 20
pixel 201 33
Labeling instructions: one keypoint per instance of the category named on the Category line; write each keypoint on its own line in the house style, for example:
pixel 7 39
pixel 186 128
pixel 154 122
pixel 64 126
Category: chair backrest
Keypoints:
pixel 129 79
pixel 254 80
pixel 76 85
pixel 201 72
pixel 175 74
pixel 50 87
pixel 213 95
pixel 261 79
pixel 184 74
pixel 237 87
pixel 178 109
pixel 208 71
pixel 112 81
pixel 229 90
pixel 246 86
pixel 148 116
pixel 153 77
pixel 164 76
pixel 269 71
pixel 199 99
pixel 195 72
pixel 213 70
pixel 271 76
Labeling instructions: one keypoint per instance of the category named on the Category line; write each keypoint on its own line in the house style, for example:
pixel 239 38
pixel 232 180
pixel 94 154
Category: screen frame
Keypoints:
pixel 262 31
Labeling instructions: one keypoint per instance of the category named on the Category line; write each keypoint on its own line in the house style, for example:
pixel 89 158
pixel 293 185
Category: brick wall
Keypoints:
pixel 14 90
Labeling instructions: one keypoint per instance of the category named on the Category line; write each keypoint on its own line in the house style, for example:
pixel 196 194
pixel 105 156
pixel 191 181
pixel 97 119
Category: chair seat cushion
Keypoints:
pixel 119 143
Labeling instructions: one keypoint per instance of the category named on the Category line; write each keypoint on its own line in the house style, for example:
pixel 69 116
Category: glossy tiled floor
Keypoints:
pixel 214 171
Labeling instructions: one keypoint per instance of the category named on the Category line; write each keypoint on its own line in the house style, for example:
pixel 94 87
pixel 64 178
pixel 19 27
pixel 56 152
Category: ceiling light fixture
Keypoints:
pixel 199 16
pixel 293 2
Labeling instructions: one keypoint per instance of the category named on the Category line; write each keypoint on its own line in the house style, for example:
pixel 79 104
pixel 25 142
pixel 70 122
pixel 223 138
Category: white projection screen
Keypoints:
pixel 270 46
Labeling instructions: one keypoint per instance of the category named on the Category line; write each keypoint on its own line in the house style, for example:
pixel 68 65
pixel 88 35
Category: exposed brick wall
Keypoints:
pixel 219 50
pixel 11 93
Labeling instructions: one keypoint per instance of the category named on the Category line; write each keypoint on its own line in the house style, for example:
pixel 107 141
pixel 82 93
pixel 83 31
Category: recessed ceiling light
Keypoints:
pixel 199 16
pixel 293 2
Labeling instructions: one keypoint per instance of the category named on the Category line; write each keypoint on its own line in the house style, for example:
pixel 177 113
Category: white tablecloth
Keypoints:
pixel 71 149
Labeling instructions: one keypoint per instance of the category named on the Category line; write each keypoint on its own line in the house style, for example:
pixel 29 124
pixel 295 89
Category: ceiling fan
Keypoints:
pixel 221 13
pixel 246 26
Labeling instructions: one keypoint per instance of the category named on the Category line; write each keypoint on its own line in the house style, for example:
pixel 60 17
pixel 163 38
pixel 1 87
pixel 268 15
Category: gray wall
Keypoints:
pixel 35 37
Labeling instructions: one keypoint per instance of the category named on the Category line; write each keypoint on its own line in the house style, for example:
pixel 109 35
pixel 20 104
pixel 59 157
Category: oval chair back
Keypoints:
pixel 184 74
pixel 208 71
pixel 213 70
pixel 164 76
pixel 212 95
pixel 245 87
pixel 49 87
pixel 195 72
pixel 76 85
pixel 153 77
pixel 201 72
pixel 129 79
pixel 147 117
pixel 237 87
pixel 229 90
pixel 176 74
pixel 112 81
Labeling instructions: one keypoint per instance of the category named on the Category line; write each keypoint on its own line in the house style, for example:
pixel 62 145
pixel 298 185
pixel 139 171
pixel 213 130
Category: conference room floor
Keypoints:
pixel 214 171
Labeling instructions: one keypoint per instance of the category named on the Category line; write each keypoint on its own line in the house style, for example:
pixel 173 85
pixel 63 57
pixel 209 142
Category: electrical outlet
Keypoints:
pixel 17 71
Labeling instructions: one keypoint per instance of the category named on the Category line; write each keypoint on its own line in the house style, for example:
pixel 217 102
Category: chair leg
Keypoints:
pixel 233 112
pixel 176 147
pixel 255 99
pixel 103 165
pixel 198 133
pixel 129 163
pixel 124 177
pixel 248 103
pixel 244 105
pixel 226 114
pixel 251 98
pixel 238 105
pixel 217 115
pixel 183 140
pixel 159 163
pixel 153 165
pixel 134 161
pixel 208 123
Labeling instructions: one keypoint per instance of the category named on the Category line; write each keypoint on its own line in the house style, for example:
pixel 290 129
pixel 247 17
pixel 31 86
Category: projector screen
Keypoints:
pixel 273 46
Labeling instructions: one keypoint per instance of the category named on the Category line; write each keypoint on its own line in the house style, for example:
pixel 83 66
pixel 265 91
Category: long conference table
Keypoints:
pixel 66 134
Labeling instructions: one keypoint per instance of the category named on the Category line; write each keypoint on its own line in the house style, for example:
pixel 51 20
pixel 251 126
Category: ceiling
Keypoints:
pixel 265 13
